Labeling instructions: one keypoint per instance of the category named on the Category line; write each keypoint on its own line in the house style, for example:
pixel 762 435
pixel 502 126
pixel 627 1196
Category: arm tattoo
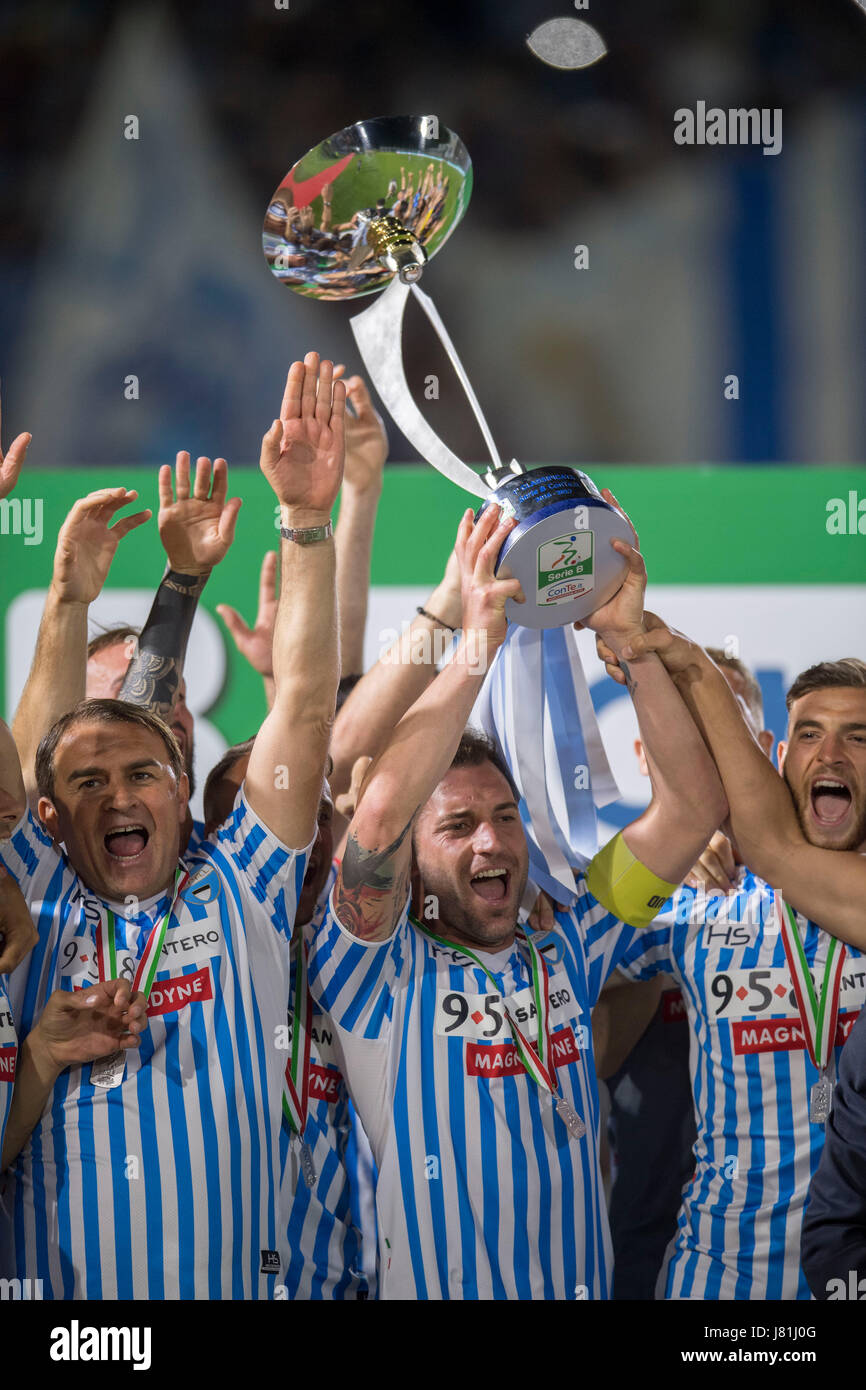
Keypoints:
pixel 157 666
pixel 631 683
pixel 152 681
pixel 371 887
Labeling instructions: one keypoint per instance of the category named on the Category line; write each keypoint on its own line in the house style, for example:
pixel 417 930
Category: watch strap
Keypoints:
pixel 307 535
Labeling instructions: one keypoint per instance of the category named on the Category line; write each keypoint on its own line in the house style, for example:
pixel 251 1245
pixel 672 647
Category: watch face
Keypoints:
pixel 377 199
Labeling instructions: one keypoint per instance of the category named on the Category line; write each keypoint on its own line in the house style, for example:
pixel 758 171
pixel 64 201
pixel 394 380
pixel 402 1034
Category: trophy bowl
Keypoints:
pixel 560 548
pixel 372 202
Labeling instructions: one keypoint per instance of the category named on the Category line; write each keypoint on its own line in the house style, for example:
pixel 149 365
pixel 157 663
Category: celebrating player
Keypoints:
pixel 771 995
pixel 156 1174
pixel 465 1042
pixel 806 836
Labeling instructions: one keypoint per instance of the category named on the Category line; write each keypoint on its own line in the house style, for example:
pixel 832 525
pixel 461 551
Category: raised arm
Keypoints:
pixel 688 802
pixel 826 885
pixel 302 458
pixel 373 882
pixel 13 800
pixel 196 530
pixel 366 452
pixel 395 682
pixel 86 546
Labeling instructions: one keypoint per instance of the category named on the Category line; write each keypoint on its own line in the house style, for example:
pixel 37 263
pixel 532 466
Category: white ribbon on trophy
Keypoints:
pixel 535 703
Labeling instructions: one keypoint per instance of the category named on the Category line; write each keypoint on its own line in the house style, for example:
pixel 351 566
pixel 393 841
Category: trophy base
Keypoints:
pixel 560 548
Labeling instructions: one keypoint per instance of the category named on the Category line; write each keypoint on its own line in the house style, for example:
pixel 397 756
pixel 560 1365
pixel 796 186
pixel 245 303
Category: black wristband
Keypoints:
pixel 190 585
pixel 434 619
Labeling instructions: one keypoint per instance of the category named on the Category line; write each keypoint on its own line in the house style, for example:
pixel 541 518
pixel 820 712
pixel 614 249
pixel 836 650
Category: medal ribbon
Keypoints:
pixel 145 971
pixel 536 1058
pixel 297 1089
pixel 818 1020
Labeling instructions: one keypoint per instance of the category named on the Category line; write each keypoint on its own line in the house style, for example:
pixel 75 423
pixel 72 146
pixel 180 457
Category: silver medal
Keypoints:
pixel 820 1101
pixel 108 1071
pixel 570 1118
pixel 307 1165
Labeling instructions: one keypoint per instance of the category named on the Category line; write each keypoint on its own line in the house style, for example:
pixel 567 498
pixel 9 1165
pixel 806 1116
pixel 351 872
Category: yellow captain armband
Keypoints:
pixel 624 885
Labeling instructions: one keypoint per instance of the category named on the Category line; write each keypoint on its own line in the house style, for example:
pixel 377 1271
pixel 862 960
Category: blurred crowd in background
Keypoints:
pixel 143 257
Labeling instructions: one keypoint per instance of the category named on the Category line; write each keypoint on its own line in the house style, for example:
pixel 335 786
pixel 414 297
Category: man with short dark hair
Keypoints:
pixel 70 1029
pixel 812 851
pixel 109 657
pixel 157 1175
pixel 771 994
pixel 466 1041
pixel 196 528
pixel 652 1120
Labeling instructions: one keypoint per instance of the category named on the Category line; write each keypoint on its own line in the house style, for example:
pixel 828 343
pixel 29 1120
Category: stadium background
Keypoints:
pixel 142 258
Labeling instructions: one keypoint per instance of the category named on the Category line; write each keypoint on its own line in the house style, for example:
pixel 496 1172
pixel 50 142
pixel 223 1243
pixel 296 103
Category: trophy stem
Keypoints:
pixel 378 333
pixel 442 334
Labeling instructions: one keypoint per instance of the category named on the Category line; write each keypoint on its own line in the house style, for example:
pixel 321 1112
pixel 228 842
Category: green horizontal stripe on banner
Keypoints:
pixel 698 525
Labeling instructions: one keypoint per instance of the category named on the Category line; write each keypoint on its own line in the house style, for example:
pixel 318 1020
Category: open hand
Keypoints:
pixel 198 528
pixel 86 544
pixel 366 439
pixel 257 643
pixel 303 452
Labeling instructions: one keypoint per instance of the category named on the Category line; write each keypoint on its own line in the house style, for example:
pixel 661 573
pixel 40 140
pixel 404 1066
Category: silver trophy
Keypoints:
pixel 363 212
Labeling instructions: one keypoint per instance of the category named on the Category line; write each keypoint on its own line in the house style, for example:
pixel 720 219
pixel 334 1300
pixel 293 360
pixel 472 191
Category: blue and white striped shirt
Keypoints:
pixel 480 1194
pixel 168 1185
pixel 325 1243
pixel 8 1057
pixel 738 1231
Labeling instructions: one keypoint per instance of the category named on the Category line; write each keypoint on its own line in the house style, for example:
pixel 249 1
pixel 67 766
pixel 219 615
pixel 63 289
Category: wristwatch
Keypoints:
pixel 307 535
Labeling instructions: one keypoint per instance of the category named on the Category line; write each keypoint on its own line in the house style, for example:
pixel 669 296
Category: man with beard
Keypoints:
pixel 156 1174
pixel 466 1041
pixel 771 994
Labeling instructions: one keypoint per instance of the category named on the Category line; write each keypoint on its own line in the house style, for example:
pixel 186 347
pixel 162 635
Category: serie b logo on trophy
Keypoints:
pixel 363 212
